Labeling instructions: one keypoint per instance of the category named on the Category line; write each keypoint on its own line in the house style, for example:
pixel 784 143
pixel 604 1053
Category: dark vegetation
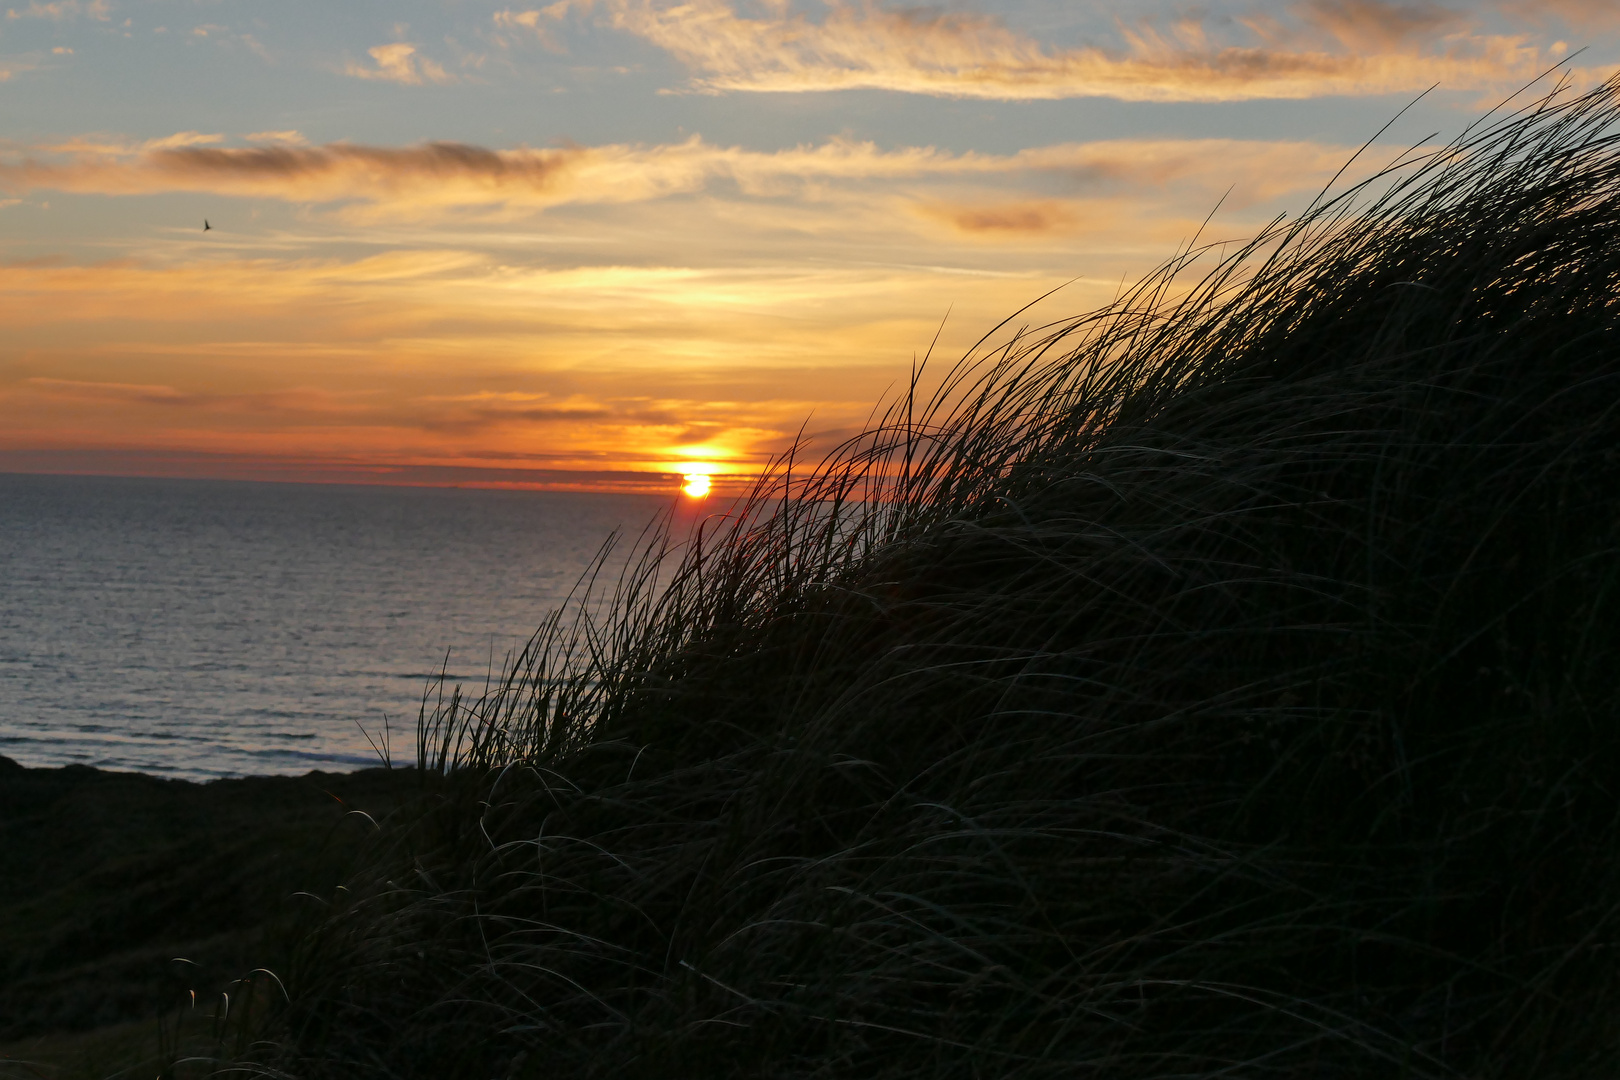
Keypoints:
pixel 106 878
pixel 1219 684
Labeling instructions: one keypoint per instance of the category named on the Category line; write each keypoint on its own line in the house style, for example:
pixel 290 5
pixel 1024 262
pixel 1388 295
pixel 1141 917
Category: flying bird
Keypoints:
pixel 206 226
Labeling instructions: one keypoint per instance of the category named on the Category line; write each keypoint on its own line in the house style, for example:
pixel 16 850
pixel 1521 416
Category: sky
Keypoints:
pixel 603 244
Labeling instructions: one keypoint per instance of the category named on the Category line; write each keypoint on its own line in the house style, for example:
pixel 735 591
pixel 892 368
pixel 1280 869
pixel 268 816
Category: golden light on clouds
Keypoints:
pixel 529 247
pixel 399 62
pixel 404 182
pixel 819 272
pixel 1030 217
pixel 447 359
pixel 1328 47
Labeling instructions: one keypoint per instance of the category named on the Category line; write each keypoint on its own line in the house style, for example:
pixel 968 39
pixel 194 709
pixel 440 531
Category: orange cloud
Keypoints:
pixel 399 63
pixel 452 361
pixel 1031 217
pixel 784 285
pixel 532 19
pixel 131 392
pixel 292 401
pixel 1582 14
pixel 509 19
pixel 445 175
pixel 1376 25
pixel 534 22
pixel 290 137
pixel 862 45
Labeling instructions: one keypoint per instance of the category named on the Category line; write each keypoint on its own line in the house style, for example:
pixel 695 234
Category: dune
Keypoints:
pixel 1217 684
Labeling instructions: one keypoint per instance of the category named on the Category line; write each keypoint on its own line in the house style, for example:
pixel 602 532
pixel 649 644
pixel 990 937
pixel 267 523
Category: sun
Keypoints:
pixel 697 476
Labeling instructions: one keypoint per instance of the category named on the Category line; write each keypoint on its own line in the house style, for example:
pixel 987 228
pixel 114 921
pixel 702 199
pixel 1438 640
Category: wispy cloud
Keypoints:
pixel 1361 26
pixel 1029 217
pixel 256 47
pixel 786 283
pixel 1331 47
pixel 12 66
pixel 399 62
pixel 108 391
pixel 536 22
pixel 59 10
pixel 482 410
pixel 303 401
pixel 445 174
pixel 448 175
pixel 1584 15
pixel 290 137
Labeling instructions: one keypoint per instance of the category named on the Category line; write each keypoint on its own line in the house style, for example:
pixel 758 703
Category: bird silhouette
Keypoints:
pixel 206 226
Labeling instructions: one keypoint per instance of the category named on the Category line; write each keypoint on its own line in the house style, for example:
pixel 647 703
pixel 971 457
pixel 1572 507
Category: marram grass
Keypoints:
pixel 1224 683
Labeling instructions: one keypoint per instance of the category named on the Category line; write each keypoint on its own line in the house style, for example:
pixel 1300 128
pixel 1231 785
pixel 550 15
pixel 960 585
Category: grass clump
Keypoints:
pixel 132 907
pixel 1218 684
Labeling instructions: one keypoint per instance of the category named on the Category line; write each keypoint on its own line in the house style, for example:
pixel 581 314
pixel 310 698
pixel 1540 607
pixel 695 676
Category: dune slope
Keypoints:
pixel 1218 684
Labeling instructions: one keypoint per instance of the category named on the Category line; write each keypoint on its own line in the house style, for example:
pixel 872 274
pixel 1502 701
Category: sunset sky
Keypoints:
pixel 592 243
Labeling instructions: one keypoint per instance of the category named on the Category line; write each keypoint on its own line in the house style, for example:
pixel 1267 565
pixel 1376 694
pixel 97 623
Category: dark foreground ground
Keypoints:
pixel 106 878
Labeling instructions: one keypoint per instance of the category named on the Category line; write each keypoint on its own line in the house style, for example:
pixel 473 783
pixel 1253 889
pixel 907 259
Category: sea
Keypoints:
pixel 200 629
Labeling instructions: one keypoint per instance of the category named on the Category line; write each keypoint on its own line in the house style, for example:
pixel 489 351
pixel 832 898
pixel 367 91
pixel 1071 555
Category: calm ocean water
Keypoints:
pixel 201 629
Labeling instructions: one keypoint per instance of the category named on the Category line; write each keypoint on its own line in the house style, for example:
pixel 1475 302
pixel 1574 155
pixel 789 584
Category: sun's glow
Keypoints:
pixel 697 485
